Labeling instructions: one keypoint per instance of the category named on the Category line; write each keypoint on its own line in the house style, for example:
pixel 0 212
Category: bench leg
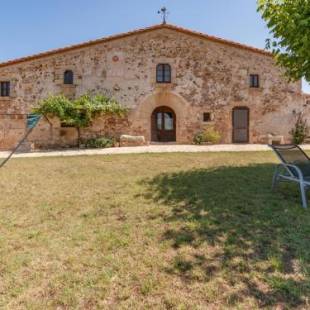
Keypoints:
pixel 275 178
pixel 303 195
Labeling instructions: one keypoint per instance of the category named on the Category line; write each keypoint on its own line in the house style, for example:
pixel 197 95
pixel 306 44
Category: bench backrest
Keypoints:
pixel 294 155
pixel 290 153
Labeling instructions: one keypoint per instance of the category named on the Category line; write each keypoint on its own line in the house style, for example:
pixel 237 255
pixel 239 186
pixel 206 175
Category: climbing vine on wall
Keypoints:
pixel 79 112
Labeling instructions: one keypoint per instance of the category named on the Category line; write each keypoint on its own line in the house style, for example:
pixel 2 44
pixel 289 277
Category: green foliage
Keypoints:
pixel 198 138
pixel 211 135
pixel 208 135
pixel 299 132
pixel 289 24
pixel 102 142
pixel 80 112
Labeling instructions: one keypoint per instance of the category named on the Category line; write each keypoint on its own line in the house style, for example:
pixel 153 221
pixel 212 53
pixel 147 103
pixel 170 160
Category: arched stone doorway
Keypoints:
pixel 163 125
pixel 141 116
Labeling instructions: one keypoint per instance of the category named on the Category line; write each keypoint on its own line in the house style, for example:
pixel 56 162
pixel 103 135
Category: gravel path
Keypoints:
pixel 168 148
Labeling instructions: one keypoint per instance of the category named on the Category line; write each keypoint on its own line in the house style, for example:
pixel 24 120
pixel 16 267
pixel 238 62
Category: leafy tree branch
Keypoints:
pixel 289 25
pixel 80 112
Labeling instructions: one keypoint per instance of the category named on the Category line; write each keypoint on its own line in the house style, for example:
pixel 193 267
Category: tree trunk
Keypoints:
pixel 78 136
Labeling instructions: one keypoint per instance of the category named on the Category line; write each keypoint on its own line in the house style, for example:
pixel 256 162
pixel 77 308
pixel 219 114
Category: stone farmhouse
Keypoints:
pixel 173 80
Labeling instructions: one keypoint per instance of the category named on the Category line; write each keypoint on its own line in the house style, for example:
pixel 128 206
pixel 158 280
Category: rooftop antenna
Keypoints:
pixel 164 13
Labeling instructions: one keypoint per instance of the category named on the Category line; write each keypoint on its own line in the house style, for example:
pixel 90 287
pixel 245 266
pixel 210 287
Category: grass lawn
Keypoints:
pixel 160 231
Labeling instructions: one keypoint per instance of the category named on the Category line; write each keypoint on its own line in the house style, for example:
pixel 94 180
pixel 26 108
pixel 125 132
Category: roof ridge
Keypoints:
pixel 220 40
pixel 127 34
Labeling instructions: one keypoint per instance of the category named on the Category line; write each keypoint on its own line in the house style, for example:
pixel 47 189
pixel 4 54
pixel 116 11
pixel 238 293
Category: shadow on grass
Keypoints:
pixel 237 231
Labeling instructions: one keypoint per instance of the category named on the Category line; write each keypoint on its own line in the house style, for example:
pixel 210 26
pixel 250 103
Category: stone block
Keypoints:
pixel 272 139
pixel 127 140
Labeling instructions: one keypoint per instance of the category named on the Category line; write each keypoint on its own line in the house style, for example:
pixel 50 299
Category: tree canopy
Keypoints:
pixel 289 25
pixel 80 112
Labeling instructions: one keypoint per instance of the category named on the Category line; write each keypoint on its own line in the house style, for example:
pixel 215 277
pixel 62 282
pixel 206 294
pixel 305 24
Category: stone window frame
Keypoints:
pixel 59 76
pixel 13 85
pixel 254 81
pixel 207 117
pixel 152 73
pixel 5 91
pixel 165 67
pixel 68 77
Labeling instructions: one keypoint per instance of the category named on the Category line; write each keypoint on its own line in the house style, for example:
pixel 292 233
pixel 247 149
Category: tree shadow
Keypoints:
pixel 226 223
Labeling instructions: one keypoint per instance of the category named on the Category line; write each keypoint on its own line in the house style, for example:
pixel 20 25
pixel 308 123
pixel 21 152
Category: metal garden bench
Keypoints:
pixel 295 167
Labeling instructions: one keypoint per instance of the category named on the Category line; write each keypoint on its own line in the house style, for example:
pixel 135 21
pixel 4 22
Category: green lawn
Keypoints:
pixel 166 231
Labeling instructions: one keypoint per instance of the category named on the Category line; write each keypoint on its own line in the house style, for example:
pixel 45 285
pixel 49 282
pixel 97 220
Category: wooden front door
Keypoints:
pixel 163 125
pixel 240 118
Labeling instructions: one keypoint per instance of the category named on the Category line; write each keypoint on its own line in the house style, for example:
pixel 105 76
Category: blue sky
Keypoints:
pixel 33 26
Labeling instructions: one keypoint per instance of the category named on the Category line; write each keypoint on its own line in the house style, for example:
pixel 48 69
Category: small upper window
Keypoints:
pixel 5 89
pixel 254 80
pixel 163 73
pixel 68 77
pixel 207 117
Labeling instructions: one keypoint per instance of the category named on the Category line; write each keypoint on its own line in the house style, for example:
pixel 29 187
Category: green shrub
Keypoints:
pixel 211 135
pixel 102 142
pixel 198 138
pixel 208 135
pixel 299 132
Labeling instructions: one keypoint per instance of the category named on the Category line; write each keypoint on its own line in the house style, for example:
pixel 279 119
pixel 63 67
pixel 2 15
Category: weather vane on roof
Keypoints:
pixel 164 13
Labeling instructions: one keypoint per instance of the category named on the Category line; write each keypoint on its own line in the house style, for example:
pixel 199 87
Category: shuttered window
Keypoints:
pixel 5 89
pixel 254 80
pixel 68 77
pixel 163 73
pixel 207 117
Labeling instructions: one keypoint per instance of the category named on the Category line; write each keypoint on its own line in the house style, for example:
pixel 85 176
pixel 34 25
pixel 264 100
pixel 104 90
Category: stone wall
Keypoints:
pixel 207 76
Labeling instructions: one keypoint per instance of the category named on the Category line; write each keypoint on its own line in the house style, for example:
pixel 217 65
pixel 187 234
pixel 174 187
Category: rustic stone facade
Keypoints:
pixel 209 75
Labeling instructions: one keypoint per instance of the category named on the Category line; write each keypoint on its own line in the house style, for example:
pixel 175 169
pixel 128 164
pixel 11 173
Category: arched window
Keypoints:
pixel 163 73
pixel 68 77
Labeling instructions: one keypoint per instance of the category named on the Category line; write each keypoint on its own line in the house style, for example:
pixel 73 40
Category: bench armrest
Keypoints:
pixel 290 167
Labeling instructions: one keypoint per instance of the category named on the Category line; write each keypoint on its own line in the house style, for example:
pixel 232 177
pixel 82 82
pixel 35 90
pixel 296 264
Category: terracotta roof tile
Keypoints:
pixel 130 33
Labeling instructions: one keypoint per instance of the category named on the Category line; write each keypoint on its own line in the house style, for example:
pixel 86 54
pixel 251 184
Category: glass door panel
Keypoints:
pixel 168 119
pixel 159 120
